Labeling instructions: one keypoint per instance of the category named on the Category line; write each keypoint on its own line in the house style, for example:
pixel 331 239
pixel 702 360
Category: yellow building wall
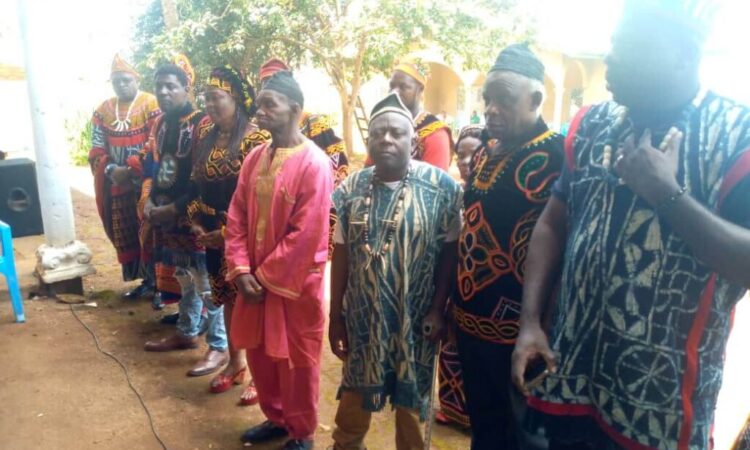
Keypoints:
pixel 442 90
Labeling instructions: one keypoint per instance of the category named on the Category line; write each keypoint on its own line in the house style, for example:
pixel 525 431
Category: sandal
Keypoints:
pixel 249 396
pixel 222 383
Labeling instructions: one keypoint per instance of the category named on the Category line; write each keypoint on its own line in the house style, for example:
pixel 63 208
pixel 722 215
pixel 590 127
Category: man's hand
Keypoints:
pixel 250 290
pixel 649 172
pixel 197 230
pixel 531 344
pixel 163 215
pixel 433 326
pixel 120 176
pixel 212 239
pixel 337 336
pixel 147 208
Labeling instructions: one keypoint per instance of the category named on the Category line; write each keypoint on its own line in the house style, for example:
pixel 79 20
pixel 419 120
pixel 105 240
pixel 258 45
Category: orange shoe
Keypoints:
pixel 249 396
pixel 222 383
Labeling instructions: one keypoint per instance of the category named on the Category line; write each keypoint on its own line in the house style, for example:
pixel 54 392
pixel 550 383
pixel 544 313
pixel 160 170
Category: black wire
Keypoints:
pixel 127 376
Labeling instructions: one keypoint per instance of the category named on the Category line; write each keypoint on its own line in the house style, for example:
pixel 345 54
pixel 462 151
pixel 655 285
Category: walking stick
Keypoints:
pixel 431 404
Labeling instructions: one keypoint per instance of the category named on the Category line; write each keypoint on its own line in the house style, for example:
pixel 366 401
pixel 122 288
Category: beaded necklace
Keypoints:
pixel 123 124
pixel 391 224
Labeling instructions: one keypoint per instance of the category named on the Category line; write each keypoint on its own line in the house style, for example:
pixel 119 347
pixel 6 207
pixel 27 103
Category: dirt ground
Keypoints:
pixel 58 392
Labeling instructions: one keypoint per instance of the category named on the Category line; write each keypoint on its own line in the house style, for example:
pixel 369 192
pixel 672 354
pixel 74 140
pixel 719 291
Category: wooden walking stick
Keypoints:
pixel 427 330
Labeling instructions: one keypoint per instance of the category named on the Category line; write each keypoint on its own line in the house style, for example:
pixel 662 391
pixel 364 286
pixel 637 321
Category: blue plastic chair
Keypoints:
pixel 8 268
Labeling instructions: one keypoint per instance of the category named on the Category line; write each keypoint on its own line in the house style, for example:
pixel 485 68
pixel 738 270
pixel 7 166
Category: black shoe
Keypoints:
pixel 170 319
pixel 265 432
pixel 298 444
pixel 141 291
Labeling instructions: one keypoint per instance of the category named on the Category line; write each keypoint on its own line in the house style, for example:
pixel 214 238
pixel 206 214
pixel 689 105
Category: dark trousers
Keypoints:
pixel 486 373
pixel 586 435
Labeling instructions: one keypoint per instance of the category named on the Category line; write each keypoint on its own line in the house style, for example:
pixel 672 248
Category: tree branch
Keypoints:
pixel 226 9
pixel 333 70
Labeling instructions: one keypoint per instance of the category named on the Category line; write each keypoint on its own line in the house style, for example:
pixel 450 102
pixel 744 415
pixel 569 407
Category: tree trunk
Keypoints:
pixel 169 11
pixel 347 115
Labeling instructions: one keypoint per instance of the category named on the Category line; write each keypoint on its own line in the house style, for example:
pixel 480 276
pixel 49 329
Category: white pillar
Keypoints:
pixel 62 257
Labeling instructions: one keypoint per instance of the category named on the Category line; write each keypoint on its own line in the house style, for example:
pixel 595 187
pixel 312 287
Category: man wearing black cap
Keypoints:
pixel 276 250
pixel 393 259
pixel 510 184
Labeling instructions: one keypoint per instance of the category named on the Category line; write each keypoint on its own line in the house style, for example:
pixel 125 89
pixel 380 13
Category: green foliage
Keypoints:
pixel 149 26
pixel 78 132
pixel 329 32
pixel 350 39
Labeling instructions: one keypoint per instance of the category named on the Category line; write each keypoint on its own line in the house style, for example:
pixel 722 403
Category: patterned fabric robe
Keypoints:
pixel 117 204
pixel 387 298
pixel 435 144
pixel 743 440
pixel 641 323
pixel 503 200
pixel 167 166
pixel 213 183
pixel 318 129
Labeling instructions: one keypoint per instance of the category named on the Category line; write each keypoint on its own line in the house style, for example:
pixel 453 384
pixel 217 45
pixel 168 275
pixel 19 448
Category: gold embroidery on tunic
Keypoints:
pixel 269 169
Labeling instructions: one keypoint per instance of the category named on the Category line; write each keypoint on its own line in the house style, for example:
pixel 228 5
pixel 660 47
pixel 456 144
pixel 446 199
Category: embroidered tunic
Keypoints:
pixel 167 166
pixel 435 144
pixel 503 200
pixel 213 182
pixel 277 229
pixel 117 204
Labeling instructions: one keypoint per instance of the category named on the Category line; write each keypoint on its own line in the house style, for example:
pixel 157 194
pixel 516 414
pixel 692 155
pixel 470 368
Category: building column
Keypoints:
pixel 559 96
pixel 62 259
pixel 468 100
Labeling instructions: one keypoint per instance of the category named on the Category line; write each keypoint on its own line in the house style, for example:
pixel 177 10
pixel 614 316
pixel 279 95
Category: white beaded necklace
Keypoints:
pixel 123 124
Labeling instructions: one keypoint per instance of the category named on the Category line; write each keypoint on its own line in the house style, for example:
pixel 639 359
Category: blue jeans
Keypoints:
pixel 196 293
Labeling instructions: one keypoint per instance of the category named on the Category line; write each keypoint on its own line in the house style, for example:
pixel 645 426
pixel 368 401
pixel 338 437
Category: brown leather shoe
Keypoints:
pixel 168 344
pixel 212 362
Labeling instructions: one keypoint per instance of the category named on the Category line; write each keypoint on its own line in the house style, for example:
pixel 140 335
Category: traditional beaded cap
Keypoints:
pixel 236 84
pixel 120 65
pixel 415 68
pixel 183 63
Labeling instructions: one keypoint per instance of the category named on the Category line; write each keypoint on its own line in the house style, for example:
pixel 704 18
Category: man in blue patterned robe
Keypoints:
pixel 395 251
pixel 649 229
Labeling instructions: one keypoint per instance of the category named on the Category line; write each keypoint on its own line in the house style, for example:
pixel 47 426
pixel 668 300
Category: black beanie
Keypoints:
pixel 284 83
pixel 520 59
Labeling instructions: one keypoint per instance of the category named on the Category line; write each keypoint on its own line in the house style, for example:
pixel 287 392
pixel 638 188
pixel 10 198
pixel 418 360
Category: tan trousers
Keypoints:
pixel 352 423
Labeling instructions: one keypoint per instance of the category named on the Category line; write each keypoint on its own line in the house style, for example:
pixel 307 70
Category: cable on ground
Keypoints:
pixel 127 376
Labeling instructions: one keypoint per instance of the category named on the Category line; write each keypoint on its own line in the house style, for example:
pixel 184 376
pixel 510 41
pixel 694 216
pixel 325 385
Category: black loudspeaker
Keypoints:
pixel 19 197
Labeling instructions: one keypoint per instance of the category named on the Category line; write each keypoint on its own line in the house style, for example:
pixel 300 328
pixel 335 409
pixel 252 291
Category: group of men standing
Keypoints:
pixel 588 280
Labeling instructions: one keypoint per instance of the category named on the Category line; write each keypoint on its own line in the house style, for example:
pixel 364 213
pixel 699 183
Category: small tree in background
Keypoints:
pixel 350 40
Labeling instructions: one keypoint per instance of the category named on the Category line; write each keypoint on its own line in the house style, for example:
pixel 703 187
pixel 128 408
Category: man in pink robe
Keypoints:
pixel 276 250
